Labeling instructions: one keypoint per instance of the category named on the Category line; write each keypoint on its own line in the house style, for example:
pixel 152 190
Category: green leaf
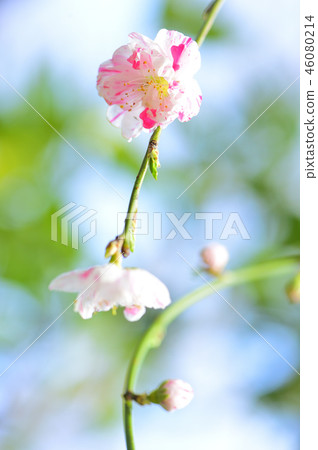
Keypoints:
pixel 154 164
pixel 153 168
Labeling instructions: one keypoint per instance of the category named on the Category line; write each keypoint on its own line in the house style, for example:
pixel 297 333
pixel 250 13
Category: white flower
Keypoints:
pixel 172 395
pixel 102 288
pixel 148 82
pixel 216 257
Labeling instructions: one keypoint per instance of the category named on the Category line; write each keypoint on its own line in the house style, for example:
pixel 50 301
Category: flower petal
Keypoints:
pixel 102 294
pixel 134 312
pixel 132 124
pixel 146 289
pixel 115 115
pixel 151 55
pixel 182 51
pixel 75 281
pixel 87 304
pixel 190 101
pixel 148 121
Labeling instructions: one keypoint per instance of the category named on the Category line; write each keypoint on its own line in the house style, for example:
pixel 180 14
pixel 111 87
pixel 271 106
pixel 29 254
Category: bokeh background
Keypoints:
pixel 64 392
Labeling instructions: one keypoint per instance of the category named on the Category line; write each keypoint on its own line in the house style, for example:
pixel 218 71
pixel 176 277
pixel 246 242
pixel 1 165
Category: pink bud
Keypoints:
pixel 293 289
pixel 216 257
pixel 172 395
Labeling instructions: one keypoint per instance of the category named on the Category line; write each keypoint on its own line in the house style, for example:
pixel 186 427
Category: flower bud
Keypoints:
pixel 111 249
pixel 172 395
pixel 154 163
pixel 293 289
pixel 216 257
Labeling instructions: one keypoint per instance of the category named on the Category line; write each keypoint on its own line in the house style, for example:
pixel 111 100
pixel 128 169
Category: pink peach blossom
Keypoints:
pixel 148 83
pixel 172 395
pixel 216 257
pixel 106 287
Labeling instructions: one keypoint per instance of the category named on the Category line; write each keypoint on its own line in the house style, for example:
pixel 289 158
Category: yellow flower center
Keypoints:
pixel 162 86
pixel 154 89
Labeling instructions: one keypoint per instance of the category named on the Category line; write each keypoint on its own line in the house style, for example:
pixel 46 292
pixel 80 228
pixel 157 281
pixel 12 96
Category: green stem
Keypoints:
pixel 156 332
pixel 128 233
pixel 128 425
pixel 209 17
pixel 127 237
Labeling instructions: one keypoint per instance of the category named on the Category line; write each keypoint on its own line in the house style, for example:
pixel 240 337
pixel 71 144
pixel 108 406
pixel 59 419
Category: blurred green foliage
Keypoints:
pixel 29 156
pixel 285 396
pixel 185 16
